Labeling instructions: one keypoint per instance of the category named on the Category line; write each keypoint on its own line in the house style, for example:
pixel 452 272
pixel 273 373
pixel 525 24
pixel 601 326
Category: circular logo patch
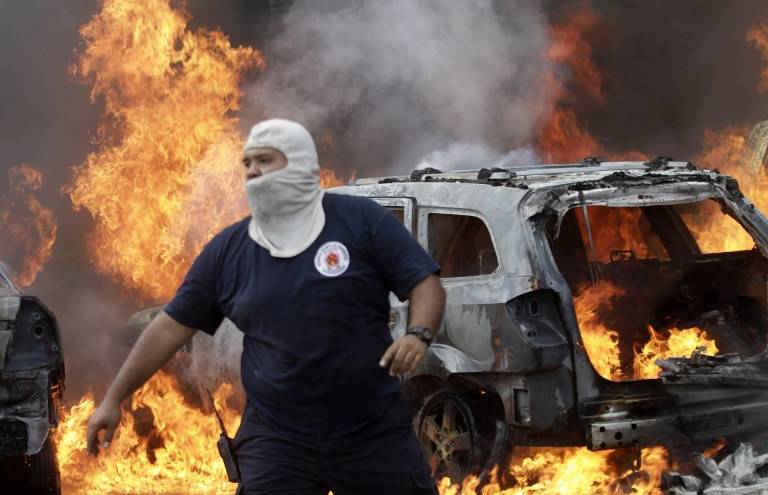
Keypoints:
pixel 332 259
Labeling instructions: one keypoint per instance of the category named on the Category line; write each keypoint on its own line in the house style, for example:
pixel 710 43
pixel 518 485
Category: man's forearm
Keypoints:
pixel 159 341
pixel 427 303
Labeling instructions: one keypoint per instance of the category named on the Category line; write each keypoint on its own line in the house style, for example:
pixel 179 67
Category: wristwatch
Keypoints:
pixel 423 333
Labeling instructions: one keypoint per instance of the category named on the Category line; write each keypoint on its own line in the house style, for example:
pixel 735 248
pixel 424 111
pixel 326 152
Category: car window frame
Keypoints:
pixel 423 213
pixel 407 203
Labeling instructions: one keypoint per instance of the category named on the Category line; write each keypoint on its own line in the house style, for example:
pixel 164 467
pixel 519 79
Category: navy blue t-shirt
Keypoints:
pixel 316 324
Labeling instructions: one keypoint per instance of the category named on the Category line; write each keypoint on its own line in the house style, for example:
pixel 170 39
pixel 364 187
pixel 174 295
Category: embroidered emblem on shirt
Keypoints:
pixel 332 259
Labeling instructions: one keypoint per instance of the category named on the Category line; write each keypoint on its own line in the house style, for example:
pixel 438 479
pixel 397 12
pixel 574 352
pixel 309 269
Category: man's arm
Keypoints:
pixel 427 303
pixel 159 341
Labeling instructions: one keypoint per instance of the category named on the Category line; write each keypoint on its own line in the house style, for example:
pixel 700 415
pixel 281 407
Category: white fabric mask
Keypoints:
pixel 286 205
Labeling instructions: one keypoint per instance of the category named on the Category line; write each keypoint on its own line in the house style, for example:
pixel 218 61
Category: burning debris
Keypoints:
pixel 737 474
pixel 727 369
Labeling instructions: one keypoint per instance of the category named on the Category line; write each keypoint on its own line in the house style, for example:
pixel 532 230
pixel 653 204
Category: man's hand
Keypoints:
pixel 106 417
pixel 404 355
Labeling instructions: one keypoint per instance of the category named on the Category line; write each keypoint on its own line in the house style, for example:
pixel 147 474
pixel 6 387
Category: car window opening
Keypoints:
pixel 461 245
pixel 672 279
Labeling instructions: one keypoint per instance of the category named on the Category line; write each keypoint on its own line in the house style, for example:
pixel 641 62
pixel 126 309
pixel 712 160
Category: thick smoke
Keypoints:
pixel 396 80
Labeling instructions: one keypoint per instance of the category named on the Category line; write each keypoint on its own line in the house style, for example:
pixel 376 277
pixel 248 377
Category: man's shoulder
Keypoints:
pixel 229 235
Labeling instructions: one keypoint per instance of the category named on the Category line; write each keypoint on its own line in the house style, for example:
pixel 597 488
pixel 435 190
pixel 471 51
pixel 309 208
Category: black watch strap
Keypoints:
pixel 423 333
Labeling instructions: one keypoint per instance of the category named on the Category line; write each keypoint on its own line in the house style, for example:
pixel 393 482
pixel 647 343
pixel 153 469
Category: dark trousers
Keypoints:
pixel 384 458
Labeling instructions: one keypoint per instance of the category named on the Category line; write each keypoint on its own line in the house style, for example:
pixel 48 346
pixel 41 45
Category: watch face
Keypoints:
pixel 426 334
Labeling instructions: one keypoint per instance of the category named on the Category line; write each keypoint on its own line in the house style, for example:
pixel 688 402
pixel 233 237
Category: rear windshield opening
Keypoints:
pixel 661 281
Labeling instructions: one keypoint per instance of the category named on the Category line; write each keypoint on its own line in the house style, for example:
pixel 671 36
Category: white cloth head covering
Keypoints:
pixel 286 205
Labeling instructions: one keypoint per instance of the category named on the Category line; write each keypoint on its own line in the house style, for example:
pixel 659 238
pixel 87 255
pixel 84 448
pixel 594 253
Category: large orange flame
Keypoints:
pixel 727 150
pixel 681 342
pixel 29 228
pixel 572 471
pixel 165 177
pixel 163 445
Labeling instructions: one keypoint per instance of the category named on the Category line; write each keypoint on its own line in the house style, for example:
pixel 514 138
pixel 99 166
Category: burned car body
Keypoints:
pixel 31 388
pixel 510 365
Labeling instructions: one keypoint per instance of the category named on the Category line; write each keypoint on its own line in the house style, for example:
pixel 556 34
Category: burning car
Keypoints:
pixel 31 389
pixel 566 283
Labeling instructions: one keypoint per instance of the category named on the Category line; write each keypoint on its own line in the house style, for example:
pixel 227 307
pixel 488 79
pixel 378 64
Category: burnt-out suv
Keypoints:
pixel 31 388
pixel 670 247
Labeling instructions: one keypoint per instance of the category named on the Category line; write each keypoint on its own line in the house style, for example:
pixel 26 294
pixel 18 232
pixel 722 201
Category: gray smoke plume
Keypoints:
pixel 396 80
pixel 464 156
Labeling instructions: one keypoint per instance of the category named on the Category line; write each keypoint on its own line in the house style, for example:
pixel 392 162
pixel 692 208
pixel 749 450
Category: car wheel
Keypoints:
pixel 36 474
pixel 449 437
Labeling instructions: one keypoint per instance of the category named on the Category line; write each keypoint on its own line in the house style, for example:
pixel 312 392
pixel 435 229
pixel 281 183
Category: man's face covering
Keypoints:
pixel 286 205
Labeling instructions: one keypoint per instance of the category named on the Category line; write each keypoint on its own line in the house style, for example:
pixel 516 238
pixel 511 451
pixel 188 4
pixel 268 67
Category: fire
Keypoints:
pixel 164 178
pixel 681 342
pixel 601 342
pixel 29 228
pixel 627 233
pixel 163 445
pixel 328 178
pixel 564 137
pixel 572 471
pixel 728 151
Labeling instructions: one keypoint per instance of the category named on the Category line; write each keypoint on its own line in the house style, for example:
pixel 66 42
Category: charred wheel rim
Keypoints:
pixel 448 436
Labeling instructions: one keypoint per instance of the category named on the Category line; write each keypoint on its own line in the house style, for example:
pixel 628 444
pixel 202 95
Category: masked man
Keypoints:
pixel 306 278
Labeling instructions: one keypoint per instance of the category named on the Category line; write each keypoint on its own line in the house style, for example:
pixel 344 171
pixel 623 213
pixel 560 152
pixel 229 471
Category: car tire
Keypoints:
pixel 449 437
pixel 36 474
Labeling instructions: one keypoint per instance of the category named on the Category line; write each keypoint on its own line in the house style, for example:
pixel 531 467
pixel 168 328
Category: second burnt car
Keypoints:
pixel 31 390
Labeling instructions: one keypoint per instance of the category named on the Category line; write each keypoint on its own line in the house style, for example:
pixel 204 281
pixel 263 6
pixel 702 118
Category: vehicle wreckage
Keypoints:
pixel 31 390
pixel 509 366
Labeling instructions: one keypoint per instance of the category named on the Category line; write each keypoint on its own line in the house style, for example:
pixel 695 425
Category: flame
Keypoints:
pixel 564 137
pixel 629 232
pixel 328 178
pixel 728 151
pixel 681 342
pixel 163 445
pixel 601 342
pixel 164 178
pixel 28 227
pixel 572 471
